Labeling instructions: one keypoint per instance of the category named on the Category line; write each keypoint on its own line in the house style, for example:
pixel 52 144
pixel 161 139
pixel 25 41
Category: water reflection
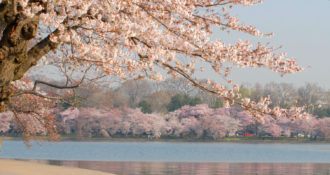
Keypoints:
pixel 132 168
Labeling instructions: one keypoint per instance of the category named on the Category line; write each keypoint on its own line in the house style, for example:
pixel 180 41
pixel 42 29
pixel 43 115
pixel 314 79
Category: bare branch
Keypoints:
pixel 36 94
pixel 53 85
pixel 61 87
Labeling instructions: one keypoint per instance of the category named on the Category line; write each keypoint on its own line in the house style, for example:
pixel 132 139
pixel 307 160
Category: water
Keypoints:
pixel 178 158
pixel 168 152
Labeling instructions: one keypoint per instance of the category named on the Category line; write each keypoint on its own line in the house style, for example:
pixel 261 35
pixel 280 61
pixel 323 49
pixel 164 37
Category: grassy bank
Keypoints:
pixel 252 139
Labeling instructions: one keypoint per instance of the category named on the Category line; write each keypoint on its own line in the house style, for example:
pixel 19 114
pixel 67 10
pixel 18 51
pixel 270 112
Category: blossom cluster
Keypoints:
pixel 130 38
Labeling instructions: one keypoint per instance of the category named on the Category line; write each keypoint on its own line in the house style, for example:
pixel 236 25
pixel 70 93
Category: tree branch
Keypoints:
pixel 58 86
pixel 36 94
pixel 14 6
pixel 54 85
pixel 35 54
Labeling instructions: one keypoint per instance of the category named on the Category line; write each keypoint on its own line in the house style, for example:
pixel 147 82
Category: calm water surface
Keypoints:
pixel 178 158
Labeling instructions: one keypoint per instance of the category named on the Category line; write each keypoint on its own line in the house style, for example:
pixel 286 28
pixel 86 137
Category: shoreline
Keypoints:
pixel 242 140
pixel 20 167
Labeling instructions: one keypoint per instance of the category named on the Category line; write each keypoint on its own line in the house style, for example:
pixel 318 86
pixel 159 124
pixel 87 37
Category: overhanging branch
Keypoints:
pixel 54 85
pixel 35 54
pixel 36 94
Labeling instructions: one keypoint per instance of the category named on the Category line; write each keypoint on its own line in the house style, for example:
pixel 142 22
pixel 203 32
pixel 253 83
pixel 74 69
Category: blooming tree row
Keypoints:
pixel 198 121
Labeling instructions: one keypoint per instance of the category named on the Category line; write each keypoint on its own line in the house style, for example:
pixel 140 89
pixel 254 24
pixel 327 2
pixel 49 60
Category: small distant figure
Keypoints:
pixel 149 137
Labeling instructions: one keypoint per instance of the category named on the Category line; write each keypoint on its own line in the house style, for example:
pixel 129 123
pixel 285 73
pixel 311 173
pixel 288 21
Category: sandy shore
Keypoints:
pixel 15 167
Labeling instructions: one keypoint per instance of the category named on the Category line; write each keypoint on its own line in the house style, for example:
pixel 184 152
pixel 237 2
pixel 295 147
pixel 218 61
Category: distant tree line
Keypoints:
pixel 169 95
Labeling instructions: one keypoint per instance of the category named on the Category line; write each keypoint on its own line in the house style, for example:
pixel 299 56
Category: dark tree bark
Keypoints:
pixel 15 58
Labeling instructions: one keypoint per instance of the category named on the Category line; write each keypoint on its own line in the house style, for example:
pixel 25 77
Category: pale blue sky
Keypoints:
pixel 302 27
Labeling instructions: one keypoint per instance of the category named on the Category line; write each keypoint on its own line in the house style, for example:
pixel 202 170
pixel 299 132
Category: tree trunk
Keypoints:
pixel 15 58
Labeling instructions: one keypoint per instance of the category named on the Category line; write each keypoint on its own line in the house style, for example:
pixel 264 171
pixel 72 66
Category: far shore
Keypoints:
pixel 18 167
pixel 182 140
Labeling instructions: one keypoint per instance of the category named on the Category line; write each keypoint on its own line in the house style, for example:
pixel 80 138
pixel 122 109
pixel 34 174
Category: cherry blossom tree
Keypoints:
pixel 197 111
pixel 286 126
pixel 220 126
pixel 69 114
pixel 134 39
pixel 158 124
pixel 101 122
pixel 323 126
pixel 173 125
pixel 306 126
pixel 246 121
pixel 273 129
pixel 5 122
pixel 191 126
pixel 68 119
pixel 32 113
